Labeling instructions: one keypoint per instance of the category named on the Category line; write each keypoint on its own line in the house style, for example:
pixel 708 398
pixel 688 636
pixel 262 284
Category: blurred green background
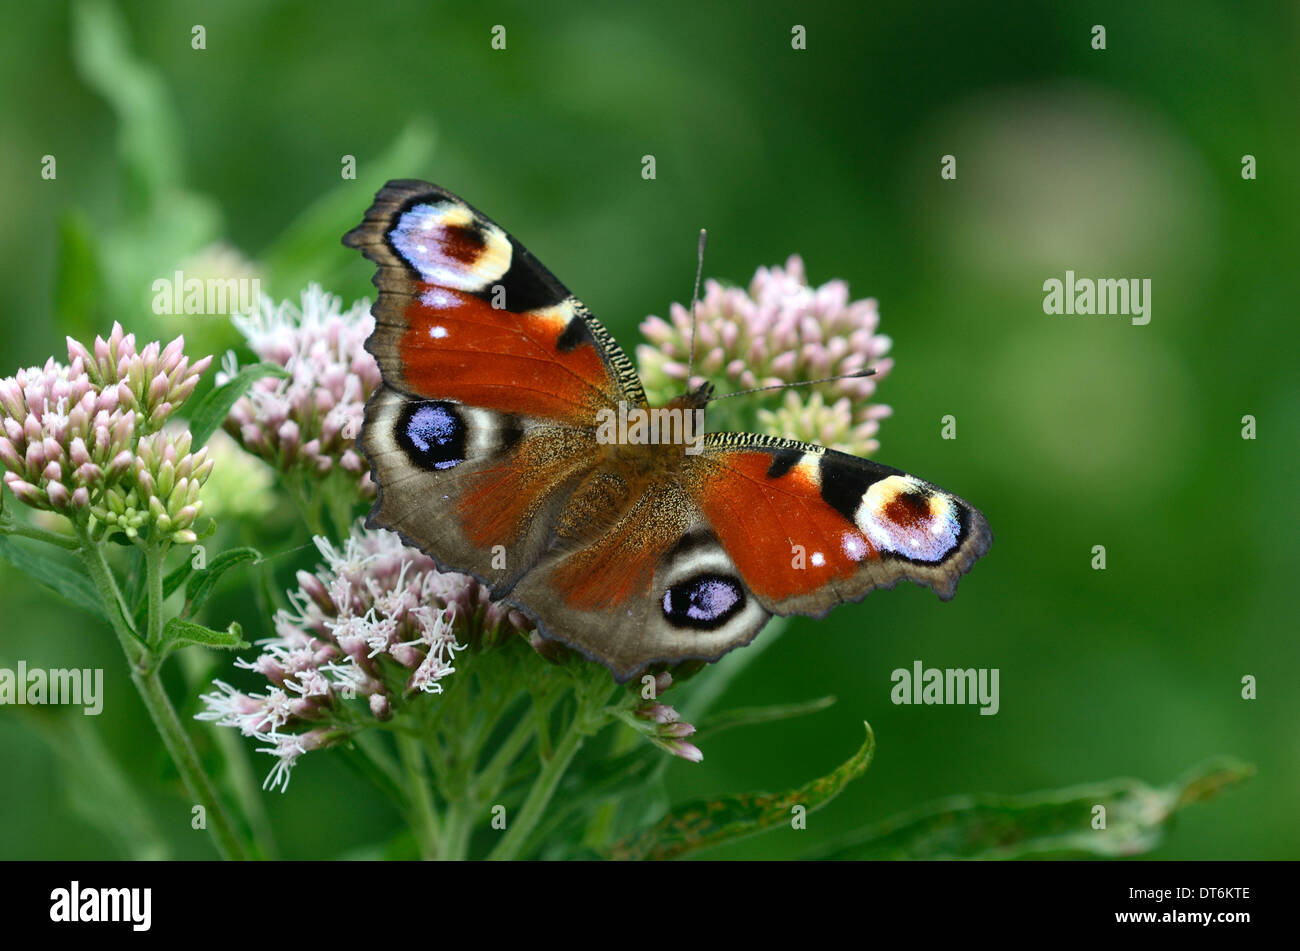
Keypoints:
pixel 1072 432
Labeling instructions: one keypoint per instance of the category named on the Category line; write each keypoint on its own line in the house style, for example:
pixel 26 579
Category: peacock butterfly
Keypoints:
pixel 490 446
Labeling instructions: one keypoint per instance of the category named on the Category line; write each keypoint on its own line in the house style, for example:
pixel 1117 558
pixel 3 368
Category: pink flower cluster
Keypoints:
pixel 377 621
pixel 311 420
pixel 778 330
pixel 85 438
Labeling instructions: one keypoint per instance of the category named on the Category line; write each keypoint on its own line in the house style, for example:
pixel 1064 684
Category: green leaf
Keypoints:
pixel 203 583
pixel 63 576
pixel 1055 823
pixel 213 408
pixel 177 577
pixel 704 823
pixel 178 633
pixel 751 716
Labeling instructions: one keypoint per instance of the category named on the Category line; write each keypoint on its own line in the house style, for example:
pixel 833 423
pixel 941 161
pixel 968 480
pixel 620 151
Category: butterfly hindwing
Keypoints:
pixel 626 572
pixel 477 490
pixel 466 313
pixel 654 586
pixel 810 528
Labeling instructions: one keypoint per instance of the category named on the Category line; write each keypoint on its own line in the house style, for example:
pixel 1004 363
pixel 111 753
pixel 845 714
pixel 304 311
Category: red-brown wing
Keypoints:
pixel 809 528
pixel 466 313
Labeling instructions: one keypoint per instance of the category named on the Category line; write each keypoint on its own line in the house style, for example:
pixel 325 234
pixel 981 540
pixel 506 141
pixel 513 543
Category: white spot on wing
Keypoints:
pixel 854 546
pixel 438 299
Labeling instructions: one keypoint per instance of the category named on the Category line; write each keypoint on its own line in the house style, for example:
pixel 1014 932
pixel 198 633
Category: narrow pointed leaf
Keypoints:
pixel 1058 823
pixel 213 408
pixel 705 823
pixel 310 246
pixel 203 583
pixel 178 633
pixel 752 716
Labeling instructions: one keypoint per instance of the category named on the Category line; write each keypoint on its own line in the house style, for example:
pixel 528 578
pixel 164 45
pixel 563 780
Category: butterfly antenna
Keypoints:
pixel 785 386
pixel 695 296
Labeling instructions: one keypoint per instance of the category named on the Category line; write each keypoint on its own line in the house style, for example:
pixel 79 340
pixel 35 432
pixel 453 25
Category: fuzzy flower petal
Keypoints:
pixel 71 434
pixel 309 421
pixel 778 330
pixel 376 622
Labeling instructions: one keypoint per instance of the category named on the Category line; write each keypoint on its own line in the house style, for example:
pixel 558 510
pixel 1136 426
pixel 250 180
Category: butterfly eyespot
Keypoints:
pixel 432 434
pixel 446 245
pixel 703 602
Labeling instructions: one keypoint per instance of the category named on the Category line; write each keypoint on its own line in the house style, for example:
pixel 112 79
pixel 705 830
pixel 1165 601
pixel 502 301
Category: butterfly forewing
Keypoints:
pixel 810 528
pixel 466 313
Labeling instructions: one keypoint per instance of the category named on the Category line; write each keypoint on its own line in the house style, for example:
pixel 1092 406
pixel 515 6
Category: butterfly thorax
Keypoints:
pixel 644 458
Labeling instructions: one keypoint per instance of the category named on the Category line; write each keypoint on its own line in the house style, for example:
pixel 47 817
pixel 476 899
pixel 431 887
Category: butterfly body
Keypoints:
pixel 502 447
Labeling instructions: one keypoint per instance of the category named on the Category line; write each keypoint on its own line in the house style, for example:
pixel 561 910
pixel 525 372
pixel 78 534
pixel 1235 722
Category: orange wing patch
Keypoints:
pixel 457 346
pixel 782 536
pixel 498 502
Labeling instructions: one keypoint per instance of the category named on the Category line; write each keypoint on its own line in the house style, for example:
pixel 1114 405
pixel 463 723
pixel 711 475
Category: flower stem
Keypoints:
pixel 540 795
pixel 590 696
pixel 238 771
pixel 460 823
pixel 187 763
pixel 424 817
pixel 111 596
pixel 339 500
pixel 145 674
pixel 309 506
pixel 492 778
pixel 40 534
pixel 153 574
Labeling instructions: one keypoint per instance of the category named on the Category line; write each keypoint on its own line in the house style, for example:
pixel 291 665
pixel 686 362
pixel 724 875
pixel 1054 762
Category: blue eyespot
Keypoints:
pixel 703 602
pixel 432 434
